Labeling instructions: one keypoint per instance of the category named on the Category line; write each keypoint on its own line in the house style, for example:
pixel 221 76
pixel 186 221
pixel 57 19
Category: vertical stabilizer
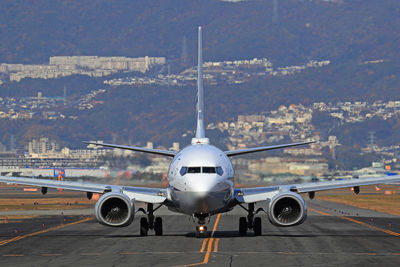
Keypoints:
pixel 200 91
pixel 200 132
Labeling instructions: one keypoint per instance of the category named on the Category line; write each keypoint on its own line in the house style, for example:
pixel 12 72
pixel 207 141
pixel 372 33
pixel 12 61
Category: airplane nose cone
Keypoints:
pixel 204 193
pixel 203 184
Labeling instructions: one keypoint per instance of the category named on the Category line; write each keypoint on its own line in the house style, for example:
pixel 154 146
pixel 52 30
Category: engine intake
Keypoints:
pixel 115 209
pixel 287 209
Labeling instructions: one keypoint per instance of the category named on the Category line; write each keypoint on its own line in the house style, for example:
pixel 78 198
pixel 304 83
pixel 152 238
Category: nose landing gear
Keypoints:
pixel 201 228
pixel 201 231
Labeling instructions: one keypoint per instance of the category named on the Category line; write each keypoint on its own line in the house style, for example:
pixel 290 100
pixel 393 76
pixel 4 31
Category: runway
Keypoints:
pixel 333 234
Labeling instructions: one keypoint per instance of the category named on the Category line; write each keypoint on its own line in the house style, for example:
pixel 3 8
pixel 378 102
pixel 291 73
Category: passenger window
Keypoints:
pixel 194 170
pixel 183 171
pixel 208 169
pixel 220 172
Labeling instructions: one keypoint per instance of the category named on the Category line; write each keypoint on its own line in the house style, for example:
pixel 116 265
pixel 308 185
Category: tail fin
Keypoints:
pixel 200 132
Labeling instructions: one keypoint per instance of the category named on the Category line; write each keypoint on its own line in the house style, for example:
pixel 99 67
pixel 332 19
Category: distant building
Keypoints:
pixel 61 66
pixel 150 145
pixel 175 146
pixel 42 146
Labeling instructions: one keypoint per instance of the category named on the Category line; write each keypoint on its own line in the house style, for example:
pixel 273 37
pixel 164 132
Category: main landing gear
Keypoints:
pixel 250 222
pixel 150 222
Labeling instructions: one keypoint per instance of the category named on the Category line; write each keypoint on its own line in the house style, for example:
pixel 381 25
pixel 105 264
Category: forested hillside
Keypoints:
pixel 32 31
pixel 347 33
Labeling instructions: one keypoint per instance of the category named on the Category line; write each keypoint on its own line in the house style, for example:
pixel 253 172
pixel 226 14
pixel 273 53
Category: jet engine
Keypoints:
pixel 287 209
pixel 115 209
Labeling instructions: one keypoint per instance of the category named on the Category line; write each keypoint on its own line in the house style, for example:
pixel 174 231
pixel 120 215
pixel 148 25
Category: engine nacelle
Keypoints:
pixel 287 209
pixel 114 209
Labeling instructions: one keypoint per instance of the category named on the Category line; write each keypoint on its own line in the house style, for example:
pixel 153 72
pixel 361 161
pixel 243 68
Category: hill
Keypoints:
pixel 354 30
pixel 347 33
pixel 162 114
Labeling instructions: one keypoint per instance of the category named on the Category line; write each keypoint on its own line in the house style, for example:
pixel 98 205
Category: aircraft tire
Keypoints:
pixel 144 226
pixel 242 226
pixel 158 226
pixel 257 226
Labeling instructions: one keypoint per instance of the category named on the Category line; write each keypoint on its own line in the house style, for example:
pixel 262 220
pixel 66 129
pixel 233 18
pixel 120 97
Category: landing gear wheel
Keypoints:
pixel 242 226
pixel 158 229
pixel 201 231
pixel 257 226
pixel 144 226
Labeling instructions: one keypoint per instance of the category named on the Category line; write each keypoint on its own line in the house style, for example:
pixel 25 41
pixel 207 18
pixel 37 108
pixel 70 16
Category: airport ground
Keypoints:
pixel 334 234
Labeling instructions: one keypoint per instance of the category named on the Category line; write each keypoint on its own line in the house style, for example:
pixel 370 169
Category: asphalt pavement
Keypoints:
pixel 333 235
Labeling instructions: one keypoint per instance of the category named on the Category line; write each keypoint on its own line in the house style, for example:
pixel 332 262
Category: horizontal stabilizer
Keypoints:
pixel 168 153
pixel 263 148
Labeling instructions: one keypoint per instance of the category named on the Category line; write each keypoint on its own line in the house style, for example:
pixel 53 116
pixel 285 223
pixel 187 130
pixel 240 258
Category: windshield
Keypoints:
pixel 209 170
pixel 194 169
pixel 206 169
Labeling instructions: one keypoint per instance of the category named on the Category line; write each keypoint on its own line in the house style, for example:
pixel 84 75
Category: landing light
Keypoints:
pixel 201 228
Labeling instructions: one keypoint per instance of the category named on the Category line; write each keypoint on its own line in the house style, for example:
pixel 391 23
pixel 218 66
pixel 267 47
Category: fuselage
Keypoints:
pixel 200 180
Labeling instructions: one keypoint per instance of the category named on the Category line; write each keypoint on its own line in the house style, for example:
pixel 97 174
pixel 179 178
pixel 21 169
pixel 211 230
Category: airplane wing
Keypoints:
pixel 263 148
pixel 143 194
pixel 168 153
pixel 321 186
pixel 256 194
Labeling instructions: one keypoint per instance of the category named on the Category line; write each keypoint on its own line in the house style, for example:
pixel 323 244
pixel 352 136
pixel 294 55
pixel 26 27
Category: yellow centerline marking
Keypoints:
pixel 209 247
pixel 207 256
pixel 4 242
pixel 203 246
pixel 359 222
pixel 216 244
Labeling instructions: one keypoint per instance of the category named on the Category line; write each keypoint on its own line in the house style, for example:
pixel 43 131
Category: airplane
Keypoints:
pixel 201 184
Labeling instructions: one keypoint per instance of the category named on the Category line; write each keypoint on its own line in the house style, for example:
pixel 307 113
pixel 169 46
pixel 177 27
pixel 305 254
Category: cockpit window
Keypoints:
pixel 194 169
pixel 183 171
pixel 209 170
pixel 220 172
pixel 217 170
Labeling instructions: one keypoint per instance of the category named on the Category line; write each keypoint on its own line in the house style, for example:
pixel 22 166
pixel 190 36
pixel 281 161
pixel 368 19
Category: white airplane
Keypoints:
pixel 200 184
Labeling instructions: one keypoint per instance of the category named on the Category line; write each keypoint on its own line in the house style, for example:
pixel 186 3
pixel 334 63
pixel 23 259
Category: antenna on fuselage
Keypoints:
pixel 200 131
